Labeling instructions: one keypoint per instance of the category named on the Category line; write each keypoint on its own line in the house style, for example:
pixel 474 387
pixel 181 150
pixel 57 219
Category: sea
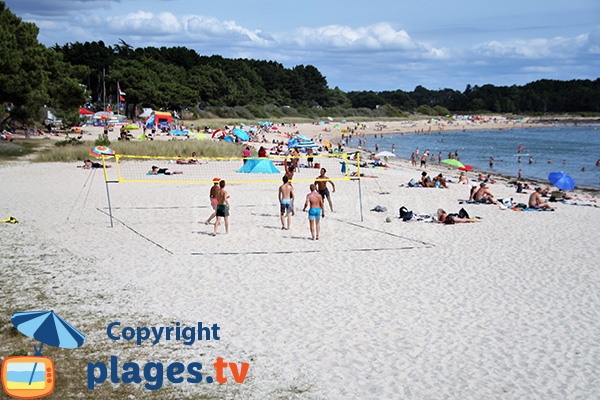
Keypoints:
pixel 574 150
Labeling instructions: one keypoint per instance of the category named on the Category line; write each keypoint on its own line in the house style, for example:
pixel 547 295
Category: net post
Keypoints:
pixel 107 192
pixel 359 187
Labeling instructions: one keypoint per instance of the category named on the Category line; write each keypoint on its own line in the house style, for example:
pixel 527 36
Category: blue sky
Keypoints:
pixel 384 45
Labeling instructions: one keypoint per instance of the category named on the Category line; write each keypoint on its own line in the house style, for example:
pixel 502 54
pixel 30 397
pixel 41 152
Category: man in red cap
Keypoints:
pixel 213 199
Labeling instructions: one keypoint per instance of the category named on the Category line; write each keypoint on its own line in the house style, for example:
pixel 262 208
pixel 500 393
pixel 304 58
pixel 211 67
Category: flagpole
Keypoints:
pixel 104 87
pixel 118 99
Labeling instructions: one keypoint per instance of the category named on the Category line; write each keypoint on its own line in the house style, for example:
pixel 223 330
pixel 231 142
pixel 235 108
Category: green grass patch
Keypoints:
pixel 154 148
pixel 12 150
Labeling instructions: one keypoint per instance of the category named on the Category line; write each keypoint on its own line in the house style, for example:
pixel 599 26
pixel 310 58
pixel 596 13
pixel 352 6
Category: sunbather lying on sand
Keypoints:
pixel 444 218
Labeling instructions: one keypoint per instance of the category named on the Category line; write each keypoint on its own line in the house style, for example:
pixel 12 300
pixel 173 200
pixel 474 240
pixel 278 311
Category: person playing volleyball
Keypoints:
pixel 316 211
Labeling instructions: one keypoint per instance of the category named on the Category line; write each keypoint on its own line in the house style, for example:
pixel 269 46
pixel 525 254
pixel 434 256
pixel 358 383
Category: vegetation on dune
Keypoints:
pixel 154 148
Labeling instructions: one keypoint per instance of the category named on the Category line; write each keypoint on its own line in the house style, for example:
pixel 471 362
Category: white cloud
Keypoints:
pixel 380 37
pixel 557 47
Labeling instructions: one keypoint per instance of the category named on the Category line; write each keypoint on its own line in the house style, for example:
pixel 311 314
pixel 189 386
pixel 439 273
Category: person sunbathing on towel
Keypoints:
pixel 449 219
pixel 155 171
pixel 535 200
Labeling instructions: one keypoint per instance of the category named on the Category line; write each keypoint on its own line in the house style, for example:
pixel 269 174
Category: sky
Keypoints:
pixel 384 45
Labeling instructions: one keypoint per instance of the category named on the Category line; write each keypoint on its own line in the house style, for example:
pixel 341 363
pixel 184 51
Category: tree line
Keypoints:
pixel 67 76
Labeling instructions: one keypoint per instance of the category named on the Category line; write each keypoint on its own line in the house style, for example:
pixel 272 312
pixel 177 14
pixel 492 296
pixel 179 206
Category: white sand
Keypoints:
pixel 507 308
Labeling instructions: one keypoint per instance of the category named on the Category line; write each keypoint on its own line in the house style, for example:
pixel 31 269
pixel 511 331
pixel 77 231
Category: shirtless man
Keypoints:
pixel 321 184
pixel 213 199
pixel 316 211
pixel 286 200
pixel 483 195
pixel 535 200
pixel 222 208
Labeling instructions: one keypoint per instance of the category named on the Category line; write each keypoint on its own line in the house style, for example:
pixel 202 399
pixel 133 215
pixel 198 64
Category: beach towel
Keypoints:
pixel 517 208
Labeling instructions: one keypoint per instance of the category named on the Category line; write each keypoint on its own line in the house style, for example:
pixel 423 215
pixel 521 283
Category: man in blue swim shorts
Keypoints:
pixel 316 211
pixel 286 200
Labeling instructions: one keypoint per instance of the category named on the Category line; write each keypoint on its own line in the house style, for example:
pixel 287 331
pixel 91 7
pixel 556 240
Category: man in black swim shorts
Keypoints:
pixel 222 208
pixel 321 184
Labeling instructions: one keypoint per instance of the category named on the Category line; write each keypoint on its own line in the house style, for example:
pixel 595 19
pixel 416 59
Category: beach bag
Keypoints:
pixel 508 202
pixel 462 213
pixel 405 214
pixel 412 183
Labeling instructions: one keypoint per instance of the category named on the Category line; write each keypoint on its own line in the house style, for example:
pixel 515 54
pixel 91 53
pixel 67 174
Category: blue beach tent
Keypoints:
pixel 259 166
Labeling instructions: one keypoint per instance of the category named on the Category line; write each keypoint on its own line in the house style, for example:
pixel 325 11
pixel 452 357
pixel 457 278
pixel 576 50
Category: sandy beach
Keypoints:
pixel 506 308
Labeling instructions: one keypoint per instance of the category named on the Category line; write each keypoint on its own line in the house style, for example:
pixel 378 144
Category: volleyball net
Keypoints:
pixel 132 168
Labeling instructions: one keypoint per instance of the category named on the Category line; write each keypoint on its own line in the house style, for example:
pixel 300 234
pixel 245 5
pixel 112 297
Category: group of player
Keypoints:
pixel 314 202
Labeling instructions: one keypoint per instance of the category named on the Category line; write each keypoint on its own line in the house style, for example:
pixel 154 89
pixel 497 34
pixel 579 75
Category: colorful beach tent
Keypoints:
pixel 158 118
pixel 259 166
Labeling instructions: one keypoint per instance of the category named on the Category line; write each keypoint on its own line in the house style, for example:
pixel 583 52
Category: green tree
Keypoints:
pixel 23 78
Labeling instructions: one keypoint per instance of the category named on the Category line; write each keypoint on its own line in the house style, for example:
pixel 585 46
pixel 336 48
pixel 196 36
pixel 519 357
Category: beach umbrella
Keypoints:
pixel 83 111
pixel 47 328
pixel 131 127
pixel 327 144
pixel 466 168
pixel 385 154
pixel 243 135
pixel 102 152
pixel 219 133
pixel 561 181
pixel 302 137
pixel 228 139
pixel 454 163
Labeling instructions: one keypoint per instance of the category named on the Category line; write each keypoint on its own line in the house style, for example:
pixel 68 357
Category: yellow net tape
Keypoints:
pixel 133 168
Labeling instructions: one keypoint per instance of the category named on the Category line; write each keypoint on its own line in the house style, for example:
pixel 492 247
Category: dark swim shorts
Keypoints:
pixel 222 210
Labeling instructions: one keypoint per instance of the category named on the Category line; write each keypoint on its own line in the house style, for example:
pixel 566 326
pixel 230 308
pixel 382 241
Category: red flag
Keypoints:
pixel 108 109
pixel 121 97
pixel 137 112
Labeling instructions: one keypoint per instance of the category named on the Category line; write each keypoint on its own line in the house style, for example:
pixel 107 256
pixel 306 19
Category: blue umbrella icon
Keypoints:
pixel 561 181
pixel 48 328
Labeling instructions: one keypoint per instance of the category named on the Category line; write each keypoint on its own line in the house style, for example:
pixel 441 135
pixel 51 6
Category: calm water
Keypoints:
pixel 578 147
